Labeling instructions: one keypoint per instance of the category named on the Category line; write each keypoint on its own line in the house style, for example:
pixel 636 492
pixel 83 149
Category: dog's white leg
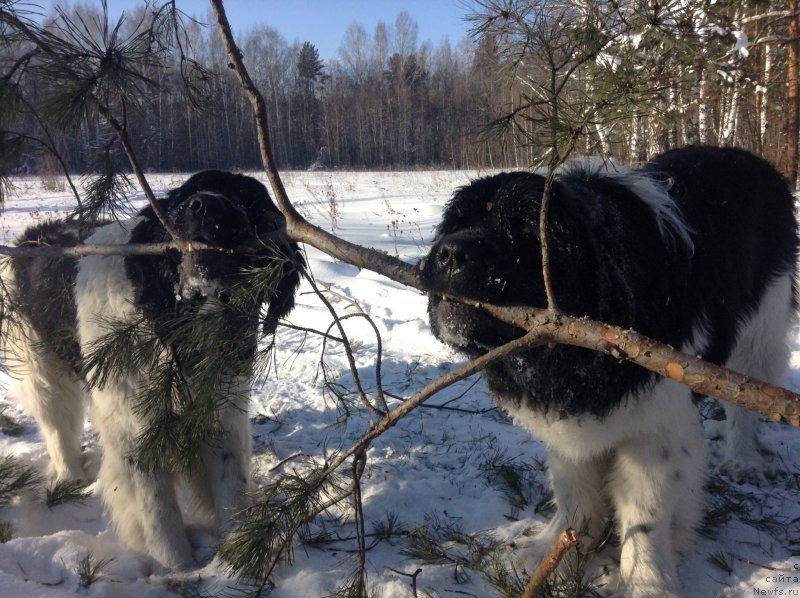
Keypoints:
pixel 580 501
pixel 742 458
pixel 657 491
pixel 225 479
pixel 48 389
pixel 760 351
pixel 579 496
pixel 143 506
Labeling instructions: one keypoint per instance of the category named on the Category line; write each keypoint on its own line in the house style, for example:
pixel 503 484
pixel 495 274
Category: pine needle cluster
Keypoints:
pixel 444 542
pixel 264 532
pixel 90 571
pixel 15 478
pixel 68 492
pixel 189 366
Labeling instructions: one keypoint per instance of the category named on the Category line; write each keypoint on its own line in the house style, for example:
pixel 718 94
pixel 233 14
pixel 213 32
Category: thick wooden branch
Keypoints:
pixel 705 378
pixel 776 403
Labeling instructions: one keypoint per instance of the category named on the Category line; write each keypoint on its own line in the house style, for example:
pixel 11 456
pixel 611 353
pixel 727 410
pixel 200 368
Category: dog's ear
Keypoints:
pixel 263 213
pixel 281 301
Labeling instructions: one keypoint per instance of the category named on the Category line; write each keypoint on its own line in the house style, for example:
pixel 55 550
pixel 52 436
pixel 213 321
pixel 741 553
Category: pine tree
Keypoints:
pixel 306 105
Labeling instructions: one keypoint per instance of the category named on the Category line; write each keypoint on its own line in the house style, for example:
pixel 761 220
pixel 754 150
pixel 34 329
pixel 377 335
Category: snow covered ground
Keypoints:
pixel 440 469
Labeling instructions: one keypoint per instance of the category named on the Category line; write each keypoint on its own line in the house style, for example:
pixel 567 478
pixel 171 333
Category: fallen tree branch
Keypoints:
pixel 776 403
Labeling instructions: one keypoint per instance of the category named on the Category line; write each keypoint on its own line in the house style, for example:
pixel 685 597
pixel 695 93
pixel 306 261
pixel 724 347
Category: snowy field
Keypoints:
pixel 460 472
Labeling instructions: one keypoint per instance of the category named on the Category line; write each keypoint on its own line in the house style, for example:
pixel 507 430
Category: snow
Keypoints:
pixel 741 43
pixel 433 468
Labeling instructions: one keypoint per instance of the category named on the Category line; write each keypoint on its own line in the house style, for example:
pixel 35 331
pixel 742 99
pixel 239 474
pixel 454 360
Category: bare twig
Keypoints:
pixel 300 229
pixel 359 464
pixel 122 134
pixel 563 543
pixel 282 462
pixel 57 251
pixel 413 577
pixel 529 340
pixel 544 213
pixel 337 321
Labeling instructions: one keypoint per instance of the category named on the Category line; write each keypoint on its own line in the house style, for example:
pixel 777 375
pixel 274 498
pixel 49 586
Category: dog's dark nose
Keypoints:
pixel 451 254
pixel 196 204
pixel 214 218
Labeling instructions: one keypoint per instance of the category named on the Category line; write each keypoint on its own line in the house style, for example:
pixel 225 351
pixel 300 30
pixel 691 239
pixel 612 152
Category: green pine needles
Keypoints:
pixel 189 366
pixel 264 533
pixel 15 478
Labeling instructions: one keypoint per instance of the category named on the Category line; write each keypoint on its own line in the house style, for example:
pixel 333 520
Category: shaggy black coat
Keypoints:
pixel 690 242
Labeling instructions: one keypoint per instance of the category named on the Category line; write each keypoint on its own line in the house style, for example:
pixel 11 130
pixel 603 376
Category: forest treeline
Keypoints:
pixel 717 72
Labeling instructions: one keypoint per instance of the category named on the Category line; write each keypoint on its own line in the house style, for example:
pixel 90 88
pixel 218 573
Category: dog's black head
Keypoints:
pixel 487 249
pixel 603 242
pixel 223 209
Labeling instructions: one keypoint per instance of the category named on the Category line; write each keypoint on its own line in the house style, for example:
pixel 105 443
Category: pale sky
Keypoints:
pixel 324 22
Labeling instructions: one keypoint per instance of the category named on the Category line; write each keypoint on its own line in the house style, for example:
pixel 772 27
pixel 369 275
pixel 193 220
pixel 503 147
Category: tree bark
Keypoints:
pixel 792 96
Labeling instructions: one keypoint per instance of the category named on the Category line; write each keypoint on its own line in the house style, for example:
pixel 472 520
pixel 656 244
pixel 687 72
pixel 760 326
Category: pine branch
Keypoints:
pixel 95 73
pixel 189 366
pixel 266 531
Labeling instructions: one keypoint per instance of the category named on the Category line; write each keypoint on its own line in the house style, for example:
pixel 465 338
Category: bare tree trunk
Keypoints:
pixel 730 118
pixel 636 139
pixel 602 136
pixel 673 117
pixel 702 109
pixel 792 97
pixel 764 99
pixel 684 125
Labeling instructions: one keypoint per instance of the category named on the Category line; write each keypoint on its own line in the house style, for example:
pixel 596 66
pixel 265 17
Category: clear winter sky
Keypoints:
pixel 324 22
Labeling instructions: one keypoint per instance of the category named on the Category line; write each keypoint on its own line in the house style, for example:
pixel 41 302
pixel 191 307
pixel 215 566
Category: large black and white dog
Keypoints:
pixel 696 249
pixel 64 306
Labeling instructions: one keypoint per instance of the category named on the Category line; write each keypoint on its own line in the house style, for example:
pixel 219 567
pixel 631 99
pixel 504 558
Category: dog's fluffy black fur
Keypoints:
pixel 62 304
pixel 696 249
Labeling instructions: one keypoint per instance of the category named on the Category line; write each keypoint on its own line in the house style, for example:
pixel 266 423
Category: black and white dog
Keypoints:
pixel 64 307
pixel 696 249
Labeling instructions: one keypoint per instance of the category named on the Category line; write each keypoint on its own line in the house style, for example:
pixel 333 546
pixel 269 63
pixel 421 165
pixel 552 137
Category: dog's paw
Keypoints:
pixel 204 544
